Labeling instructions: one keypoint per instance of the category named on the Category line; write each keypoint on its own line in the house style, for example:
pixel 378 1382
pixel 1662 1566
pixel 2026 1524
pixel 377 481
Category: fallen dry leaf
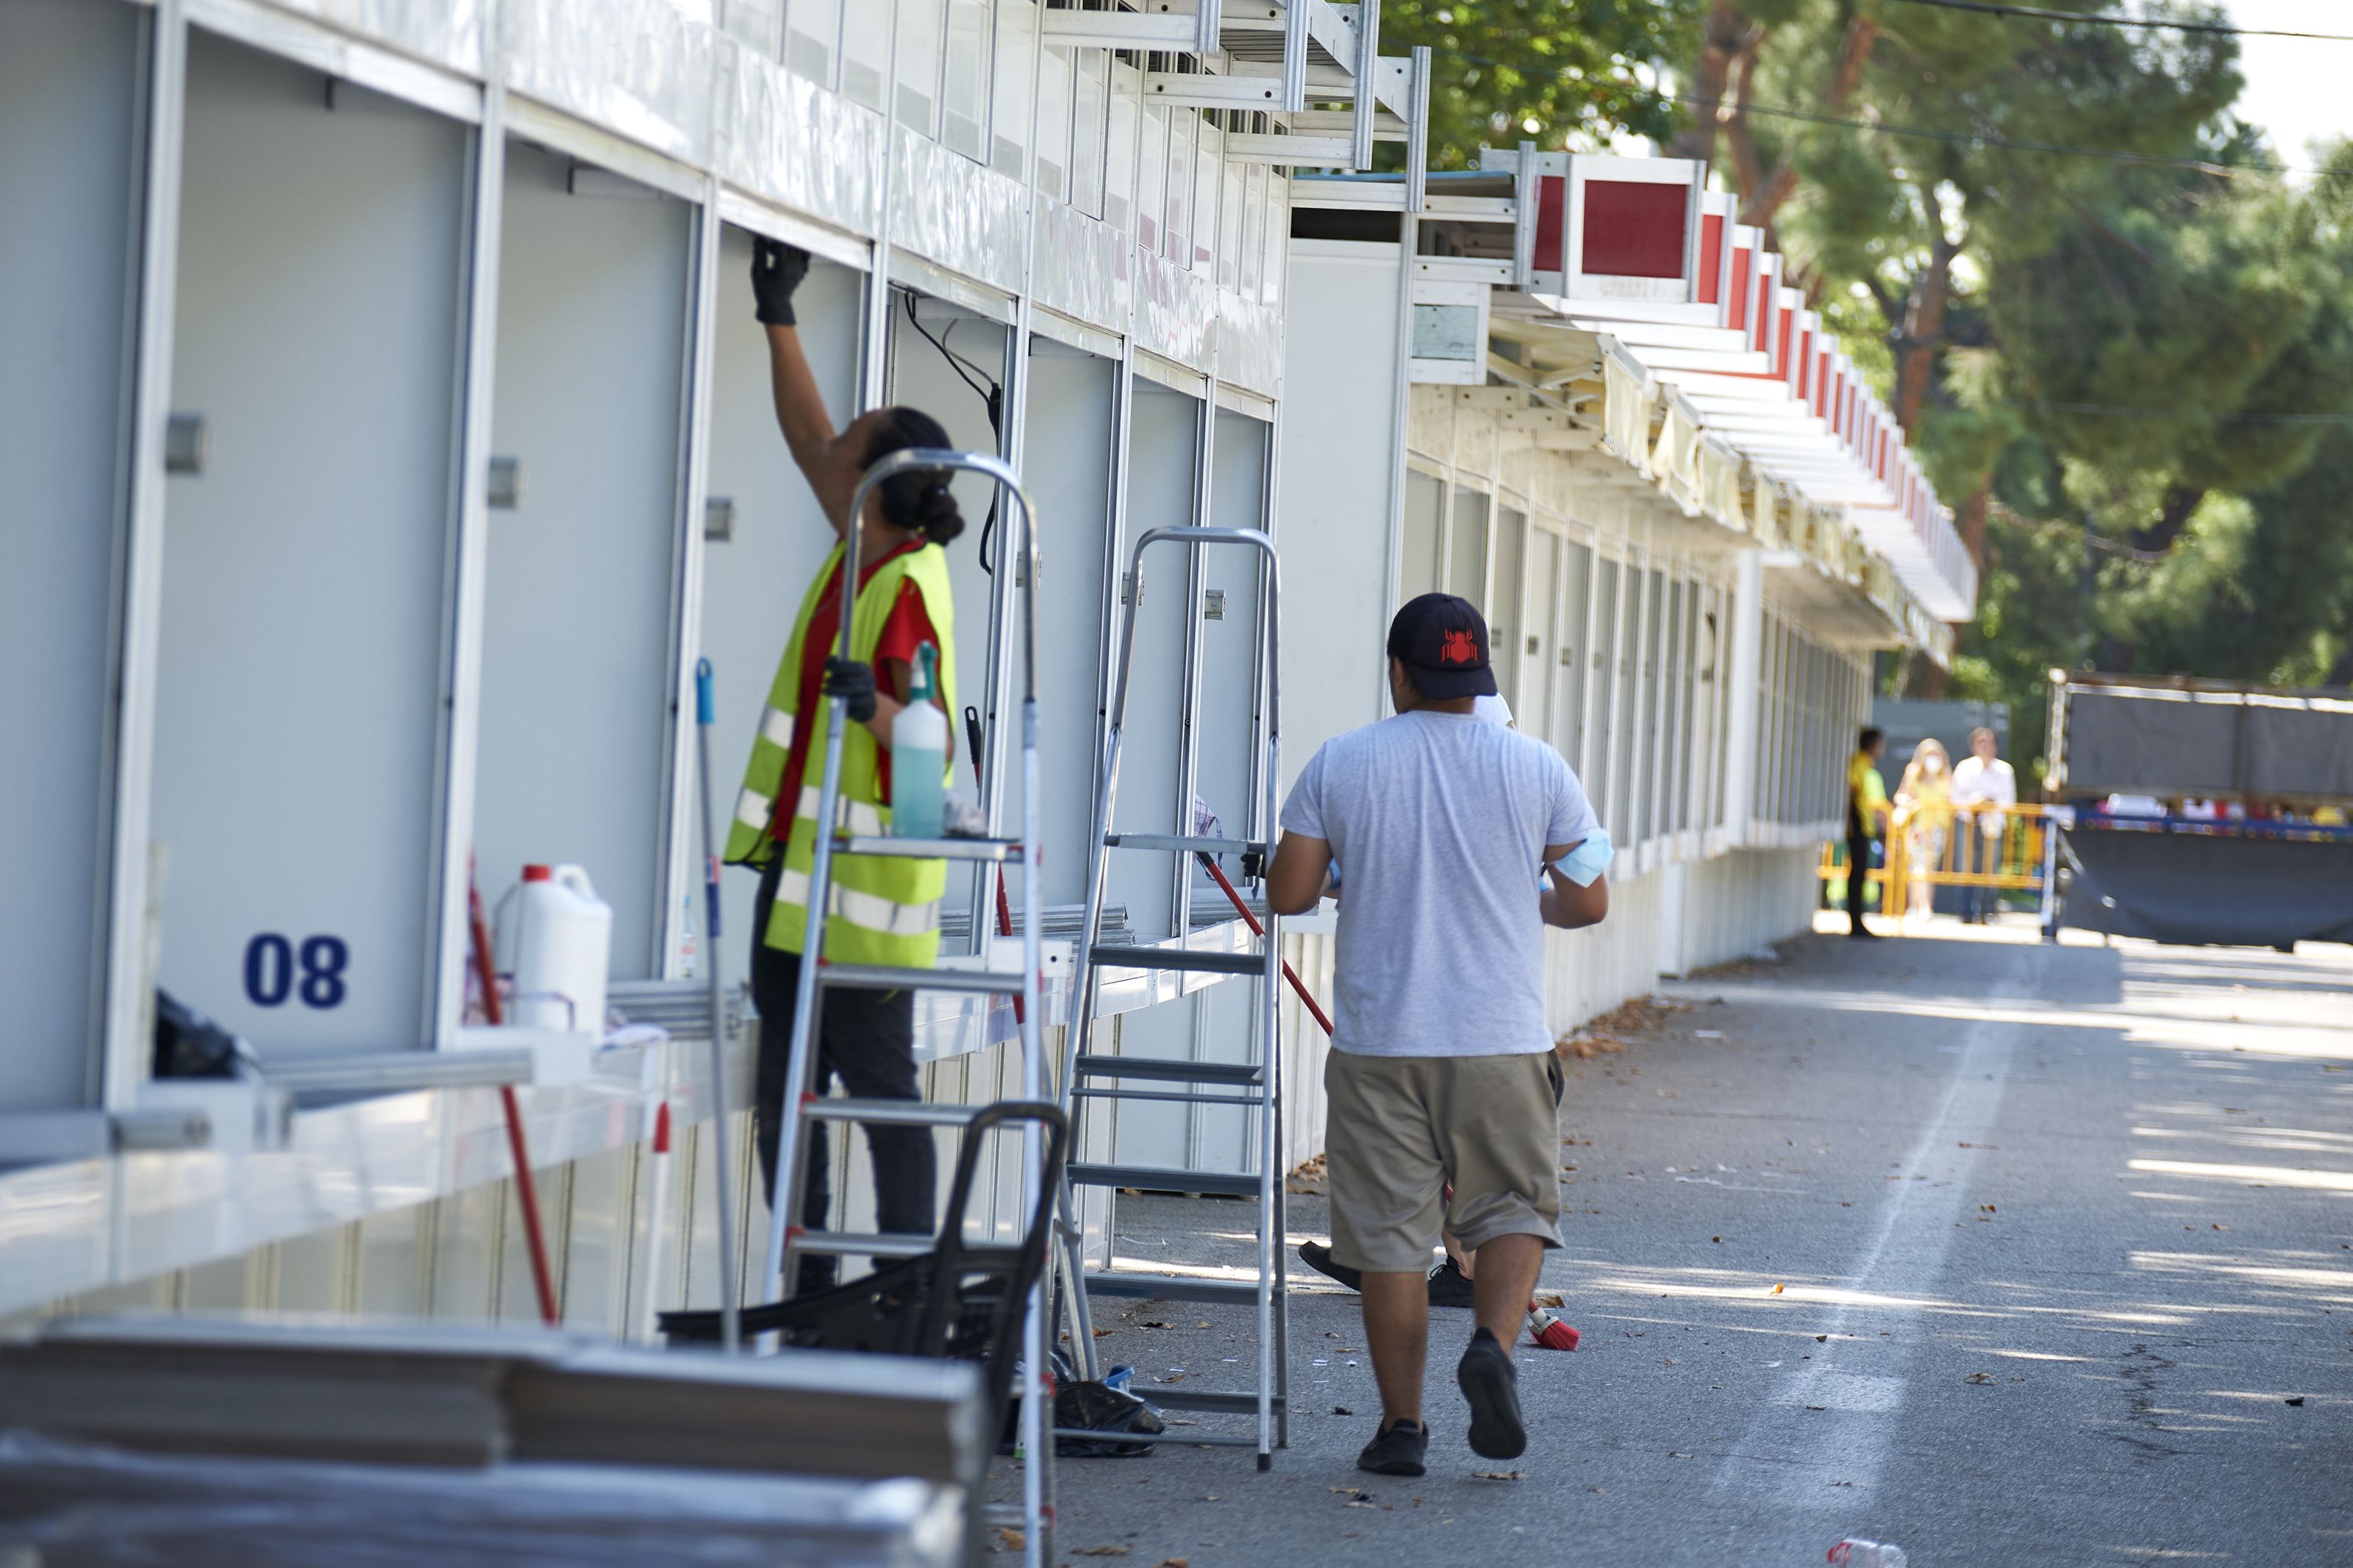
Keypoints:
pixel 1174 1562
pixel 1779 1289
pixel 1103 1551
pixel 1010 1540
pixel 1497 1476
pixel 1978 1377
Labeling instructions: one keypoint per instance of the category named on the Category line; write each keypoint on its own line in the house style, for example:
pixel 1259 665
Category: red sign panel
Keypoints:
pixel 1711 258
pixel 1632 230
pixel 1552 196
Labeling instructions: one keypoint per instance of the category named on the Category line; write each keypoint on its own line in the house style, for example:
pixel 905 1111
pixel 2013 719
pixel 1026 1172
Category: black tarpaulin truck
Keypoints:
pixel 2202 812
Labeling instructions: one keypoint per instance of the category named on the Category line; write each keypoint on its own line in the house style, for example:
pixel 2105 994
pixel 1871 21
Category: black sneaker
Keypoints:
pixel 1489 1381
pixel 1449 1286
pixel 1396 1449
pixel 1318 1257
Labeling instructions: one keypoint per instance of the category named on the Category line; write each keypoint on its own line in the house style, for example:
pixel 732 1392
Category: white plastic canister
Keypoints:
pixel 564 945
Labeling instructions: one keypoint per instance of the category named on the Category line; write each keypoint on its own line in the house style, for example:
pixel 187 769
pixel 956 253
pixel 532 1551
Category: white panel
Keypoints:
pixel 1425 514
pixel 1334 503
pixel 964 125
pixel 812 34
pixel 1506 623
pixel 1230 646
pixel 753 582
pixel 1053 130
pixel 1533 700
pixel 1163 443
pixel 303 585
pixel 1068 470
pixel 576 644
pixel 865 50
pixel 921 24
pixel 1016 36
pixel 68 99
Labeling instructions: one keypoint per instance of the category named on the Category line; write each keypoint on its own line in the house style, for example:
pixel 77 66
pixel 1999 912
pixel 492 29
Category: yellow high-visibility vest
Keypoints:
pixel 882 909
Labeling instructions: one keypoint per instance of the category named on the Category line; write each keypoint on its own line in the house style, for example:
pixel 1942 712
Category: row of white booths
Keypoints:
pixel 388 435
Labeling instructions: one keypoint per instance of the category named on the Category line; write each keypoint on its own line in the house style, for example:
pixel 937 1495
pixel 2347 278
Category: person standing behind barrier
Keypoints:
pixel 1866 809
pixel 883 910
pixel 1442 1066
pixel 1924 797
pixel 1984 781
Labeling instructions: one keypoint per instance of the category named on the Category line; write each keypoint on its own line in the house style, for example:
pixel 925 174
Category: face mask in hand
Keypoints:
pixel 1587 860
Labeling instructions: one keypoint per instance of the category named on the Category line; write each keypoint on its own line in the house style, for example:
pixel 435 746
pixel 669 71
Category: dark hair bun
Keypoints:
pixel 937 514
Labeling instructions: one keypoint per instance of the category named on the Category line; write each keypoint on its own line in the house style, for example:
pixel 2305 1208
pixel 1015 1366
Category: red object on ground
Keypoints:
pixel 1548 1332
pixel 526 1189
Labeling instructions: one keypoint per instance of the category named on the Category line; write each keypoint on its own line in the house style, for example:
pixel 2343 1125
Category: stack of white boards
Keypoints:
pixel 278 1443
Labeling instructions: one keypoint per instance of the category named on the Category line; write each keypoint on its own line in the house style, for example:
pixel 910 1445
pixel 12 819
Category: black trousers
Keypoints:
pixel 866 1040
pixel 1858 876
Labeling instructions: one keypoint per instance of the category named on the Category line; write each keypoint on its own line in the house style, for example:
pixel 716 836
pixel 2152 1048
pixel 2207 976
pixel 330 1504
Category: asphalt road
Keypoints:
pixel 2008 1253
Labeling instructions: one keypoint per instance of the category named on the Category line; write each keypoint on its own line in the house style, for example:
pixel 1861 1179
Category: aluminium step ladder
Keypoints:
pixel 1026 985
pixel 1254 1086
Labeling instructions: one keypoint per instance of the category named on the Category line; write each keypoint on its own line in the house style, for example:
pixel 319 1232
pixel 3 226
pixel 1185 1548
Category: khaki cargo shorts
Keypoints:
pixel 1400 1128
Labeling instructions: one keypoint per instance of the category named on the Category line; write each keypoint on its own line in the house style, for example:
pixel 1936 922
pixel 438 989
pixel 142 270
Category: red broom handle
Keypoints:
pixel 526 1188
pixel 1257 930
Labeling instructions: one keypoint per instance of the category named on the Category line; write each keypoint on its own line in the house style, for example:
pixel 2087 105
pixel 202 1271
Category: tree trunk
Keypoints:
pixel 1722 38
pixel 1972 520
pixel 1923 332
pixel 1761 198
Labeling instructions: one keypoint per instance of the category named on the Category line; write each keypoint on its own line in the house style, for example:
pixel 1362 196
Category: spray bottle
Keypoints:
pixel 919 757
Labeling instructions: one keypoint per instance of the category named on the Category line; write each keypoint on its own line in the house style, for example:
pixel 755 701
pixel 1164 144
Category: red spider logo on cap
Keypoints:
pixel 1459 648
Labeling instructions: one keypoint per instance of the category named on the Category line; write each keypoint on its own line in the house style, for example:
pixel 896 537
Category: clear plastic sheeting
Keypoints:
pixel 82 1506
pixel 445 32
pixel 640 68
pixel 952 212
pixel 1176 312
pixel 1626 397
pixel 792 141
pixel 1082 266
pixel 1250 344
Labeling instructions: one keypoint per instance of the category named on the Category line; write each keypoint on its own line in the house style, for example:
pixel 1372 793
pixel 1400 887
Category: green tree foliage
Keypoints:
pixel 1506 71
pixel 2120 369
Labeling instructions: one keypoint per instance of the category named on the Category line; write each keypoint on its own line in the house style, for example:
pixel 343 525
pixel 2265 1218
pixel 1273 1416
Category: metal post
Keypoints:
pixel 731 1275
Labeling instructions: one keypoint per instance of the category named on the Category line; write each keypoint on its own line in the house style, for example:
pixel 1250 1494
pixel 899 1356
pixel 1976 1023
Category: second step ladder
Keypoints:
pixel 1254 1086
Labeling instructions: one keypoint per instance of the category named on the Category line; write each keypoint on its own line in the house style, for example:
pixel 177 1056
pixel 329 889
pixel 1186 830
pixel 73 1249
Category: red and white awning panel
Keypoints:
pixel 1638 249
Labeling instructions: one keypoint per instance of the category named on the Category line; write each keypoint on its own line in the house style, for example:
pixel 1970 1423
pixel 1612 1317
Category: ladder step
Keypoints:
pixel 1184 844
pixel 863 1243
pixel 1204 1439
pixel 890 1112
pixel 1237 1403
pixel 1170 1097
pixel 885 977
pixel 1215 1184
pixel 928 848
pixel 1174 1287
pixel 1161 1070
pixel 1177 958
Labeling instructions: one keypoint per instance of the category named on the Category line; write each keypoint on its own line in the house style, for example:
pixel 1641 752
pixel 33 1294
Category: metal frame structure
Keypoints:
pixel 1261 1077
pixel 817 975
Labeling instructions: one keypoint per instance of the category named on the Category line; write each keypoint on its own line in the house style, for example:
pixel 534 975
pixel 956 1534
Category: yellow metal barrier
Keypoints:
pixel 1997 847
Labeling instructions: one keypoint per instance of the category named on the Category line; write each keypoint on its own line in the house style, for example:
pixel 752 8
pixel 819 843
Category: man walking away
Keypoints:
pixel 1442 1068
pixel 1983 781
pixel 1866 806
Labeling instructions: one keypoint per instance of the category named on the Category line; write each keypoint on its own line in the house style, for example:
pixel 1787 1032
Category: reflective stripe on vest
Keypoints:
pixel 881 909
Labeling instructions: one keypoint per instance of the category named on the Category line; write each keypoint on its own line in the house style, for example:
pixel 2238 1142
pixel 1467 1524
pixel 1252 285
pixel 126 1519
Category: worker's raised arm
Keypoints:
pixel 1568 906
pixel 776 272
pixel 1294 883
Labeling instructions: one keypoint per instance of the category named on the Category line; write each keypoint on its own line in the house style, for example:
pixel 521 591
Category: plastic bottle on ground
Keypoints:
pixel 1854 1552
pixel 919 758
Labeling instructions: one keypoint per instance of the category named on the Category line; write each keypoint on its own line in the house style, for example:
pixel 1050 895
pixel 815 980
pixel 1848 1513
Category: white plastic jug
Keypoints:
pixel 564 945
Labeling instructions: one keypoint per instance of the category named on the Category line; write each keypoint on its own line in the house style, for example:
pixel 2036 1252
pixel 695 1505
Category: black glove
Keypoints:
pixel 853 682
pixel 777 270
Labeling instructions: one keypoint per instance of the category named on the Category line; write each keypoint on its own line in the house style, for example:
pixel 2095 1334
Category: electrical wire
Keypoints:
pixel 1917 132
pixel 2123 411
pixel 2044 13
pixel 1982 139
pixel 992 396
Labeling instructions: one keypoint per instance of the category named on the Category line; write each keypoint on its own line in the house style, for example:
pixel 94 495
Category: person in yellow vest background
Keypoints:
pixel 880 910
pixel 1866 812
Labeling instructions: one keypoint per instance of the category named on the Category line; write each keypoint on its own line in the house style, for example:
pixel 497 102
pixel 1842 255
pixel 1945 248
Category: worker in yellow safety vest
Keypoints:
pixel 881 910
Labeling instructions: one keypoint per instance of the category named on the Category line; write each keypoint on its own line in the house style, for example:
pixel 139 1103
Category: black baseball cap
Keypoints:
pixel 1442 641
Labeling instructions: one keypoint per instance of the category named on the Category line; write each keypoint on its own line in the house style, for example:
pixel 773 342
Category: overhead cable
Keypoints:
pixel 2044 14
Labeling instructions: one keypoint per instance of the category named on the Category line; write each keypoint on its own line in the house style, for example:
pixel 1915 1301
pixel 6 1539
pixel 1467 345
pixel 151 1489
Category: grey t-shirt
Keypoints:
pixel 1441 821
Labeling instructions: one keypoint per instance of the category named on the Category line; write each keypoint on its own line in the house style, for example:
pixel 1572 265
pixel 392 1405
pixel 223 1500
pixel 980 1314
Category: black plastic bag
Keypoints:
pixel 190 1045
